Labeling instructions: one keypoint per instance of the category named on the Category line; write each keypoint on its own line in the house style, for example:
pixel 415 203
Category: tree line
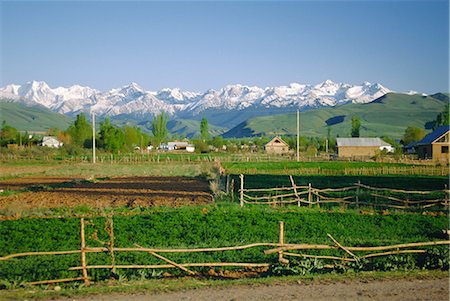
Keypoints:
pixel 111 138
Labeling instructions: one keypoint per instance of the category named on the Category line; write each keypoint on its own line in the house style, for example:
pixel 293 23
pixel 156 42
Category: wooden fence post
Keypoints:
pixel 241 191
pixel 232 190
pixel 309 196
pixel 357 193
pixel 295 190
pixel 83 253
pixel 446 195
pixel 227 184
pixel 281 241
pixel 111 244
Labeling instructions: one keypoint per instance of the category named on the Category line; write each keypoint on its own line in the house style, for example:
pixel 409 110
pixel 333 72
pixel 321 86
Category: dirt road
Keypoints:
pixel 382 290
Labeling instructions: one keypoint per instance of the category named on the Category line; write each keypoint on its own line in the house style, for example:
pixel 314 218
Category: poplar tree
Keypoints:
pixel 159 128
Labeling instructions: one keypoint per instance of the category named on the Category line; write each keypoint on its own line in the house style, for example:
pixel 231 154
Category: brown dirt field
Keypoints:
pixel 52 192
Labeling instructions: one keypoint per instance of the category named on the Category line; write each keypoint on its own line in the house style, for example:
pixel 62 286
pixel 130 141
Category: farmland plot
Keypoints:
pixel 53 192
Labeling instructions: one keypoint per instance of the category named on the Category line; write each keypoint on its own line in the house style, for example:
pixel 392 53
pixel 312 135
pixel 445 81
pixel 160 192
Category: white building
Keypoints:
pixel 175 145
pixel 52 142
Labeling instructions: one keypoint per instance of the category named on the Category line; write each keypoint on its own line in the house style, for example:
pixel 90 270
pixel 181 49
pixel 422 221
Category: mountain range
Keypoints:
pixel 234 110
pixel 133 102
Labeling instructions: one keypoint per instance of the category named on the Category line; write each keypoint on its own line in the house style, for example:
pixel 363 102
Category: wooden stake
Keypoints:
pixel 55 281
pixel 241 191
pixel 170 261
pixel 446 195
pixel 281 241
pixel 295 190
pixel 309 195
pixel 83 253
pixel 232 190
pixel 342 247
pixel 357 193
pixel 111 244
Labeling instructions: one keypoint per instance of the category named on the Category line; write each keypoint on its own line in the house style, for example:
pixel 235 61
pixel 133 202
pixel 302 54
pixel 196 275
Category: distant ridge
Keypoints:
pixel 388 115
pixel 32 118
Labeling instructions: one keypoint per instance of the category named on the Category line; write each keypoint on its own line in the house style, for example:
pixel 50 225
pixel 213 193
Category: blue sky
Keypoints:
pixel 199 45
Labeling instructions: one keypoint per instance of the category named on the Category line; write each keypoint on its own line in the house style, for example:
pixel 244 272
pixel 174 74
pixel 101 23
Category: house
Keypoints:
pixel 435 146
pixel 360 147
pixel 51 141
pixel 177 145
pixel 276 146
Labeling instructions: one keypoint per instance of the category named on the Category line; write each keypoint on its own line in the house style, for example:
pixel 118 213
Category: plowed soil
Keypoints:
pixel 52 192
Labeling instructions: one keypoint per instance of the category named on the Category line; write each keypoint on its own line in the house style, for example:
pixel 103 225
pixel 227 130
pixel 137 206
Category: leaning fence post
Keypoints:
pixel 295 190
pixel 83 253
pixel 241 191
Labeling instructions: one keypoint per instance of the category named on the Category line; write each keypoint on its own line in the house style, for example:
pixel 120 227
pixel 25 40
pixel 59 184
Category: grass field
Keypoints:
pixel 52 168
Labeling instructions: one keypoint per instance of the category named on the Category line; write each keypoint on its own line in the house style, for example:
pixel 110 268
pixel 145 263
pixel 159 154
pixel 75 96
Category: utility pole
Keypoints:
pixel 298 136
pixel 93 137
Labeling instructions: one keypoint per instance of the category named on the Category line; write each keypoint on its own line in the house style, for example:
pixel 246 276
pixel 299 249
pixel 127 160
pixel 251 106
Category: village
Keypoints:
pixel 434 147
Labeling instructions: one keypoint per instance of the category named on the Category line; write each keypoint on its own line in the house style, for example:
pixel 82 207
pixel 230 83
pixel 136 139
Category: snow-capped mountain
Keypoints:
pixel 133 99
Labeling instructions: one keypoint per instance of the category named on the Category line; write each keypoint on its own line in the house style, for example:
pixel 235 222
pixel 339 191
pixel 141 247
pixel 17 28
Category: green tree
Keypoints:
pixel 356 125
pixel 8 134
pixel 411 134
pixel 110 137
pixel 132 137
pixel 218 142
pixel 204 129
pixel 159 128
pixel 80 131
pixel 442 118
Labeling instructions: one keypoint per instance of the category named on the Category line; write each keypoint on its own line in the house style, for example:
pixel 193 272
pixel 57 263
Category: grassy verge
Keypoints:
pixel 170 285
pixel 98 170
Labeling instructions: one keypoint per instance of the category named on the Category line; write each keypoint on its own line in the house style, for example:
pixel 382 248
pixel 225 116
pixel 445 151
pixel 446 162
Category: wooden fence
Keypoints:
pixel 357 195
pixel 428 170
pixel 279 248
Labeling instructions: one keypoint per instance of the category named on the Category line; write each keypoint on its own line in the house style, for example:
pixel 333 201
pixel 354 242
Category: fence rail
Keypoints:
pixel 279 248
pixel 356 195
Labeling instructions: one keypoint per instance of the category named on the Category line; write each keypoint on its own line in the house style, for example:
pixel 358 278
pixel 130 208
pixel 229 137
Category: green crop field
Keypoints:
pixel 207 226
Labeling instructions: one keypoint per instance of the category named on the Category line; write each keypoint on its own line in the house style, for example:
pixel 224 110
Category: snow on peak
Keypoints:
pixel 133 99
